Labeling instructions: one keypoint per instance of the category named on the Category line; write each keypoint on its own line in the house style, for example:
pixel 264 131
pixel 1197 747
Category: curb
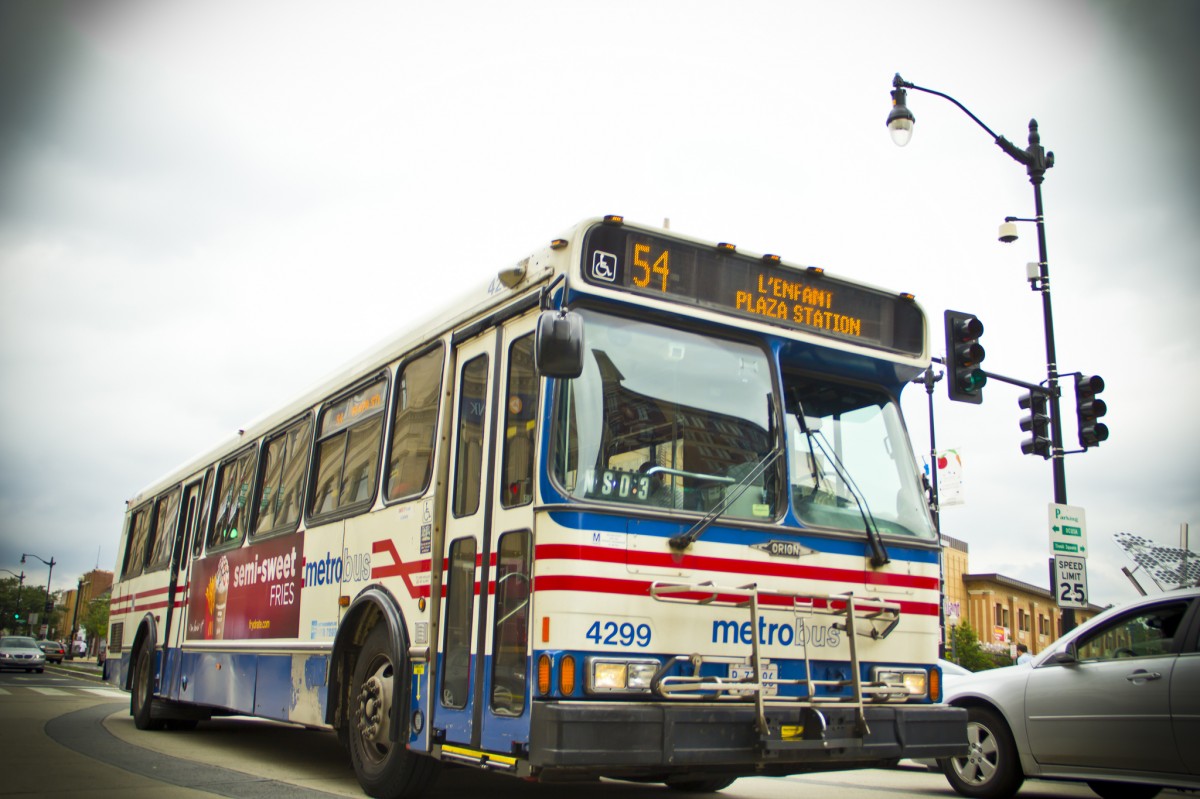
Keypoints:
pixel 83 672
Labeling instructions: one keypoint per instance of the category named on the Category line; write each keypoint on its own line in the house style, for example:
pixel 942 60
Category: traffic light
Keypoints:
pixel 963 356
pixel 1037 424
pixel 1088 409
pixel 17 616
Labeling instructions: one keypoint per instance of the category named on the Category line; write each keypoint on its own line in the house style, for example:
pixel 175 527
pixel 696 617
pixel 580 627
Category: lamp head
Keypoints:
pixel 900 120
pixel 1008 232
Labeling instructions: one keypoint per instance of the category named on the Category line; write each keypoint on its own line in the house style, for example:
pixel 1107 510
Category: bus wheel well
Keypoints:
pixel 369 610
pixel 145 631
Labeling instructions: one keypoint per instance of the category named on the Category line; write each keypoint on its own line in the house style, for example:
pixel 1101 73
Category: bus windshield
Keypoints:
pixel 850 460
pixel 667 419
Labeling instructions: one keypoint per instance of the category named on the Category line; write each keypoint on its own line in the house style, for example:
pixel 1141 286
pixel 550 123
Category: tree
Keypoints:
pixel 95 620
pixel 964 644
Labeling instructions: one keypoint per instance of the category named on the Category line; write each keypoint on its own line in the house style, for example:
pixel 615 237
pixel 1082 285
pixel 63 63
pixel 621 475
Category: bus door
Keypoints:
pixel 483 682
pixel 175 620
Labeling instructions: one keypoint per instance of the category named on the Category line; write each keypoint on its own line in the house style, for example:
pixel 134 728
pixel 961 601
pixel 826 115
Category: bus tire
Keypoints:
pixel 141 693
pixel 384 768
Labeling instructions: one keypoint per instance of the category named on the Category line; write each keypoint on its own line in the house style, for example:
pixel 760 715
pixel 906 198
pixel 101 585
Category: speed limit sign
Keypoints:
pixel 1070 581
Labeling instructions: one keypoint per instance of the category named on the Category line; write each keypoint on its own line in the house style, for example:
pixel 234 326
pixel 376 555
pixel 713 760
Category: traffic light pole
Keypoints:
pixel 1036 161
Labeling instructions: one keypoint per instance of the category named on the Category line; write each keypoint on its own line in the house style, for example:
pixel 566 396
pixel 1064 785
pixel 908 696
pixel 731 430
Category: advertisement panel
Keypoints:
pixel 249 592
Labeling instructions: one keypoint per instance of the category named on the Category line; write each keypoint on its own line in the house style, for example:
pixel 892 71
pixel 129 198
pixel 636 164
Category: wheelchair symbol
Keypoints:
pixel 604 266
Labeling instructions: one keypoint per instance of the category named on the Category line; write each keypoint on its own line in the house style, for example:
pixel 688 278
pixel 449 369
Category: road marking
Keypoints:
pixel 5 692
pixel 50 691
pixel 105 692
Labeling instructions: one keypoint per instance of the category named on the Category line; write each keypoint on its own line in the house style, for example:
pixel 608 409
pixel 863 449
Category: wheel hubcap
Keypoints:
pixel 374 707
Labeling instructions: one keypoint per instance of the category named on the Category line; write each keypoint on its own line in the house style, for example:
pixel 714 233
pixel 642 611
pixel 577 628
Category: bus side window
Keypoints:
pixel 135 545
pixel 414 425
pixel 520 425
pixel 205 514
pixel 348 447
pixel 234 481
pixel 286 456
pixel 165 518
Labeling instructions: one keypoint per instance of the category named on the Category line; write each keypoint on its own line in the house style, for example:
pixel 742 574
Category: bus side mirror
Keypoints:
pixel 558 345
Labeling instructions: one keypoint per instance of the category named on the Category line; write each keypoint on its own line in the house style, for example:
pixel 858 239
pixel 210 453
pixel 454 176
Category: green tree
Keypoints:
pixel 966 650
pixel 95 621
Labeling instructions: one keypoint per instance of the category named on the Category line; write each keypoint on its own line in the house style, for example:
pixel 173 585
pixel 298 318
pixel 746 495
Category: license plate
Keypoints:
pixel 770 673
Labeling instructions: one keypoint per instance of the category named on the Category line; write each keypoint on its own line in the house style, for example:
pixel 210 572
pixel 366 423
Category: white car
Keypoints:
pixel 21 652
pixel 1114 703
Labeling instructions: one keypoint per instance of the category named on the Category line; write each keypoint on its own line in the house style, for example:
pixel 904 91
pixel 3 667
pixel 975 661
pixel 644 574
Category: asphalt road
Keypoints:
pixel 72 736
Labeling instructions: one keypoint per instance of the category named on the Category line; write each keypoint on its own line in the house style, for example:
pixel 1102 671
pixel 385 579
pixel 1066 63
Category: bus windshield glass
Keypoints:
pixel 850 461
pixel 667 419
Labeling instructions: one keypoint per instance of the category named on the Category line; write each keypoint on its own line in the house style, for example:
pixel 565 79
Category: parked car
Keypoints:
pixel 1114 703
pixel 53 651
pixel 21 652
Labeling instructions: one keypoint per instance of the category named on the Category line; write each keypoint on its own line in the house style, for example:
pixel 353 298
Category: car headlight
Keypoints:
pixel 902 683
pixel 613 675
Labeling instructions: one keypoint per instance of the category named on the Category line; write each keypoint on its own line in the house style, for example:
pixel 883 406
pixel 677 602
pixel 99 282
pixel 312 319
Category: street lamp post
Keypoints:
pixel 49 575
pixel 20 584
pixel 1036 161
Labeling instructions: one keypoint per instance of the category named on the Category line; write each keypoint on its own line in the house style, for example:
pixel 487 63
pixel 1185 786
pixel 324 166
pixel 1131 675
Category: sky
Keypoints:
pixel 207 206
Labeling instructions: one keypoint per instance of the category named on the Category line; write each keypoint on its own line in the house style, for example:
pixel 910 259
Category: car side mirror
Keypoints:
pixel 1064 658
pixel 558 344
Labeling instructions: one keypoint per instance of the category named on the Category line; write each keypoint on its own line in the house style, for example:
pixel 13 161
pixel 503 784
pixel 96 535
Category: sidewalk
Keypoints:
pixel 80 667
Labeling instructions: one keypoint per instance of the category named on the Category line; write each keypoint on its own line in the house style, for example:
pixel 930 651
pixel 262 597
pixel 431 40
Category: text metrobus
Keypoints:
pixel 646 509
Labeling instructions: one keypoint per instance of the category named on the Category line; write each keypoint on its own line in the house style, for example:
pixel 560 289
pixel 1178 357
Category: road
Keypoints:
pixel 74 737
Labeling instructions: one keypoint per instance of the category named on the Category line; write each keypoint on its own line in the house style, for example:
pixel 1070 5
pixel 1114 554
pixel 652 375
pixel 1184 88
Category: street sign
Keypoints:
pixel 1070 581
pixel 1068 530
pixel 45 630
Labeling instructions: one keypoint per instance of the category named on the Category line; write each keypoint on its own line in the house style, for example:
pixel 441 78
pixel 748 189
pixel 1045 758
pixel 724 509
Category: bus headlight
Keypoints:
pixel 902 683
pixel 609 675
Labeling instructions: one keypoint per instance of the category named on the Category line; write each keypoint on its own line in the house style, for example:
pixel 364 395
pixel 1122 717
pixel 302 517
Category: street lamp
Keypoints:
pixel 20 584
pixel 1036 161
pixel 49 563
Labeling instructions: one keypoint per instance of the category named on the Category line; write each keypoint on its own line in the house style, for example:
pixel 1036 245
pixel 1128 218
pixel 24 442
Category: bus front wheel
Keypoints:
pixel 384 767
pixel 141 694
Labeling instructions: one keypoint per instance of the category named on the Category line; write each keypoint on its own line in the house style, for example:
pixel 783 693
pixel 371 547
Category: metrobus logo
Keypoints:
pixel 727 631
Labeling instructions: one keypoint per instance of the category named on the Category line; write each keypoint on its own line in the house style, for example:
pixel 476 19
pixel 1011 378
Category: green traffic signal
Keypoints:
pixel 964 353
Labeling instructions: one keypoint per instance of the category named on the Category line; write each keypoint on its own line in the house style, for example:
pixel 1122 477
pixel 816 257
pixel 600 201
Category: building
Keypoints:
pixel 95 583
pixel 1003 611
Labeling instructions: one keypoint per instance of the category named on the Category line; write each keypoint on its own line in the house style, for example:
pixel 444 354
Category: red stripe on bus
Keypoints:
pixel 699 563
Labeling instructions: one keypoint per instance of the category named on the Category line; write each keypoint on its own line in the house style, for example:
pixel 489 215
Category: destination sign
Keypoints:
pixel 754 288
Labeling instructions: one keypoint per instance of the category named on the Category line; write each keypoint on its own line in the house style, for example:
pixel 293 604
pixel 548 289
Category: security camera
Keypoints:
pixel 1008 232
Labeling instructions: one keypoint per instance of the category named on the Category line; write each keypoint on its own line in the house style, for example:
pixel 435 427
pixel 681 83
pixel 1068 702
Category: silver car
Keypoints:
pixel 1114 703
pixel 21 652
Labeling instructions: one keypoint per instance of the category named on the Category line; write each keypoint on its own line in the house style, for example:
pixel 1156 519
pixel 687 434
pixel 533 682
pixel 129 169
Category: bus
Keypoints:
pixel 643 508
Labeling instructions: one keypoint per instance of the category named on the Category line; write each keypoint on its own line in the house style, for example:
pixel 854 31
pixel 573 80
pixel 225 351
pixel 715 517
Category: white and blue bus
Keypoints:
pixel 645 509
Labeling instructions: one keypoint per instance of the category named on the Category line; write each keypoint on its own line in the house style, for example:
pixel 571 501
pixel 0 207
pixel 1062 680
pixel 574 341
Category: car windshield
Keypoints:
pixel 667 419
pixel 850 459
pixel 19 642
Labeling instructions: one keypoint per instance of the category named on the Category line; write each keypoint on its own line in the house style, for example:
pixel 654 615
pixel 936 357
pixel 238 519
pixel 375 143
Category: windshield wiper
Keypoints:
pixel 879 554
pixel 684 540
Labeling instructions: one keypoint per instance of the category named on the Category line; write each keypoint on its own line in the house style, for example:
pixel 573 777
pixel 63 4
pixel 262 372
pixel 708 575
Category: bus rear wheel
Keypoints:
pixel 384 767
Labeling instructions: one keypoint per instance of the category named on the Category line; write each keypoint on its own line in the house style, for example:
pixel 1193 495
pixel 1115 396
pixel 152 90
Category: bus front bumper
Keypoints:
pixel 638 738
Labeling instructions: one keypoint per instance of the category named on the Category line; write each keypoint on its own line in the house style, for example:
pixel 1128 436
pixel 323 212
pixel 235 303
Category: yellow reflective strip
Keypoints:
pixel 458 750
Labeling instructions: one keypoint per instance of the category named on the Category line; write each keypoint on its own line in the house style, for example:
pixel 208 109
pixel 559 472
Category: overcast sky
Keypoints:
pixel 207 206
